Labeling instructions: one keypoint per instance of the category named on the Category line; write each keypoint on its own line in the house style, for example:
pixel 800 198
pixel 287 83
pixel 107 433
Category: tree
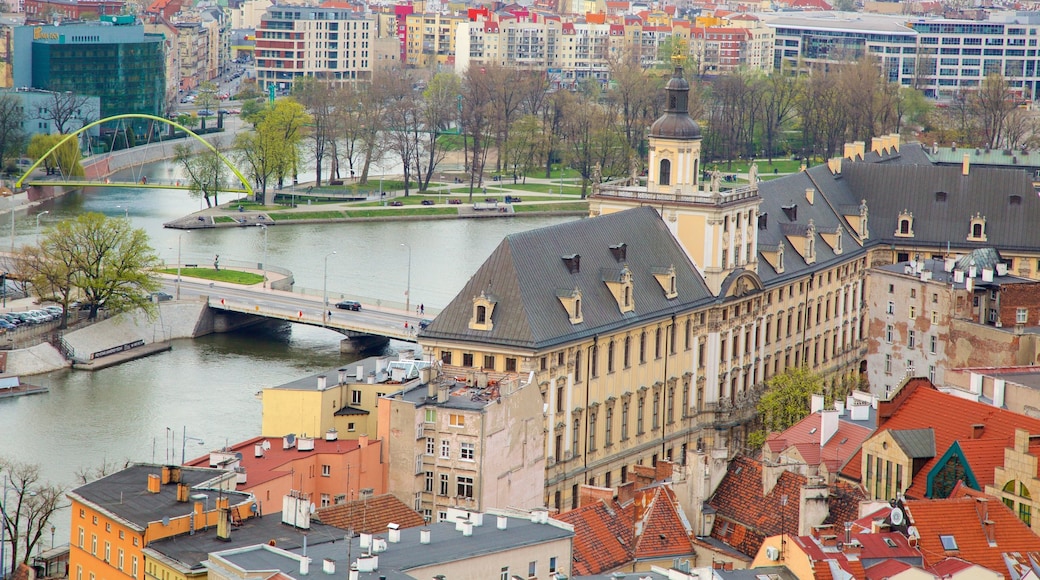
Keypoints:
pixel 991 105
pixel 103 259
pixel 438 109
pixel 272 150
pixel 785 402
pixel 207 98
pixel 28 505
pixel 65 111
pixel 781 94
pixel 319 98
pixel 64 160
pixel 207 173
pixel 12 137
pixel 526 141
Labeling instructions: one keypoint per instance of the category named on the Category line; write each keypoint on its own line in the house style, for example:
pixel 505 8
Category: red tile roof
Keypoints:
pixel 276 461
pixel 962 518
pixel 983 456
pixel 886 569
pixel 745 516
pixel 371 515
pixel 661 530
pixel 829 557
pixel 603 537
pixel 805 436
pixel 918 404
pixel 950 566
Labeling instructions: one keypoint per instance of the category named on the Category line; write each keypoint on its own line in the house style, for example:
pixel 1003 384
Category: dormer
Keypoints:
pixel 810 243
pixel 857 218
pixel 571 301
pixel 905 224
pixel 666 278
pixel 483 309
pixel 572 262
pixel 802 239
pixel 977 229
pixel 774 255
pixel 834 240
pixel 619 282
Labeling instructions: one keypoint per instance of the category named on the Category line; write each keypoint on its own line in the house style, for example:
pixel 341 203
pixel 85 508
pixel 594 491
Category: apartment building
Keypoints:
pixel 430 39
pixel 333 44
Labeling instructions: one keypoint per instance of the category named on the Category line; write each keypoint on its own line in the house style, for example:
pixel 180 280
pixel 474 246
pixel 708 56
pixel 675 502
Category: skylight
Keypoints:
pixel 949 543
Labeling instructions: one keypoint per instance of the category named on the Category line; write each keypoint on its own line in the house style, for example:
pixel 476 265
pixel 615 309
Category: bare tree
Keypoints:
pixel 12 137
pixel 781 94
pixel 991 105
pixel 28 504
pixel 477 122
pixel 319 98
pixel 61 109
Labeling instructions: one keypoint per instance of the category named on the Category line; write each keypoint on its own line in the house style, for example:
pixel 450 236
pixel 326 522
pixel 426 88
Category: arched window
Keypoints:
pixel 665 177
pixel 904 226
pixel 628 295
pixel 976 230
pixel 481 314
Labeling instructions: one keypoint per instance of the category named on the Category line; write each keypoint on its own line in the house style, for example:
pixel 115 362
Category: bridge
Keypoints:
pixel 371 327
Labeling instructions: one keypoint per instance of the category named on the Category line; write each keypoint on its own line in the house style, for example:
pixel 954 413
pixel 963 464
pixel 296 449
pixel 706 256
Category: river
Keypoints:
pixel 208 385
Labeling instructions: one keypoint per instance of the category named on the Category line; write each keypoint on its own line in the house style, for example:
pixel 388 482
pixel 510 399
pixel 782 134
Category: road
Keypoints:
pixel 299 308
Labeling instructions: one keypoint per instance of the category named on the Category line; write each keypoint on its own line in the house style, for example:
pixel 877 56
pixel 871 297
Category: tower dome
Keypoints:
pixel 676 122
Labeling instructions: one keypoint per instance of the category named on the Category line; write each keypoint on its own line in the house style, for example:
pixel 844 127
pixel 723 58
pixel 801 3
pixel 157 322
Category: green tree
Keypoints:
pixel 207 98
pixel 104 260
pixel 785 402
pixel 525 142
pixel 320 99
pixel 272 150
pixel 27 508
pixel 206 171
pixel 64 160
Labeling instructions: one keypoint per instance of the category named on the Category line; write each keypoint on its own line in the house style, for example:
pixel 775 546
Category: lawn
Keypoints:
pixel 544 207
pixel 406 201
pixel 544 188
pixel 362 213
pixel 223 219
pixel 305 215
pixel 781 165
pixel 231 276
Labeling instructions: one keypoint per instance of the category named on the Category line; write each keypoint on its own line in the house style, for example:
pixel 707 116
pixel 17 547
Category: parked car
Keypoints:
pixel 205 113
pixel 455 201
pixel 11 319
pixel 53 309
pixel 7 325
pixel 349 305
pixel 160 296
pixel 427 202
pixel 397 203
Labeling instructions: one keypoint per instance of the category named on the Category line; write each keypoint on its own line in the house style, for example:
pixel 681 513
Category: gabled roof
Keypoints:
pixel 527 270
pixel 662 530
pixel 886 570
pixel 919 405
pixel 370 515
pixel 603 537
pixel 276 461
pixel 963 519
pixel 805 435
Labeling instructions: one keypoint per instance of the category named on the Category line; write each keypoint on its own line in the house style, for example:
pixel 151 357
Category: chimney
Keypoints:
pixel 341 376
pixel 502 522
pixel 828 425
pixel 165 474
pixel 442 394
pixel 223 523
pixel 976 430
pixel 321 382
pixel 965 164
pixel 431 390
pixel 809 193
pixel 332 435
pixel 363 440
pixel 816 403
pixel 365 542
pixel 424 536
pixel 663 470
pixel 625 492
pixel 876 145
pixel 328 566
pixel 182 492
pixel 175 474
pixel 393 533
pixel 896 141
pixel 861 148
pixel 849 152
pixel 359 373
pixel 467 528
pixel 305 565
pixel 619 252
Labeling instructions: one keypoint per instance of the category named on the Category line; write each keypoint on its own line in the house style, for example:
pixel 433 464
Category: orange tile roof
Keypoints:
pixel 920 405
pixel 603 537
pixel 886 570
pixel 806 434
pixel 665 533
pixel 745 516
pixel 371 515
pixel 961 517
pixel 272 464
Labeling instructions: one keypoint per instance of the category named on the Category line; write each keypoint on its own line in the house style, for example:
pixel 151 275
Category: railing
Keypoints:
pixel 621 189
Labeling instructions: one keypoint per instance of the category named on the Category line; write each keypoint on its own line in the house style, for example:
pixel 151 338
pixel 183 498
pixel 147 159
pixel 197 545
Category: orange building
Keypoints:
pixel 113 518
pixel 330 470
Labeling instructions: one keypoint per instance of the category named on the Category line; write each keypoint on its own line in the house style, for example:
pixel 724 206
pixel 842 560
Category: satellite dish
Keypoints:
pixel 897 517
pixel 314 508
pixel 253 508
pixel 912 532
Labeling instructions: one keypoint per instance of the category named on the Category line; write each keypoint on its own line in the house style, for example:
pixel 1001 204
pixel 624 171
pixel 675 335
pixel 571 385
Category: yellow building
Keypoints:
pixel 430 39
pixel 115 517
pixel 343 400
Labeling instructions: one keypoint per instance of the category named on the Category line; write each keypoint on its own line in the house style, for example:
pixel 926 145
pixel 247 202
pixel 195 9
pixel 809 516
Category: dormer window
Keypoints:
pixel 905 225
pixel 810 243
pixel 666 278
pixel 483 309
pixel 571 301
pixel 620 284
pixel 977 231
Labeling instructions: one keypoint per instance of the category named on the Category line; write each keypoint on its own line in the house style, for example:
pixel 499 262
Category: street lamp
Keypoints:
pixel 325 290
pixel 265 252
pixel 126 210
pixel 38 225
pixel 408 290
pixel 184 441
pixel 181 235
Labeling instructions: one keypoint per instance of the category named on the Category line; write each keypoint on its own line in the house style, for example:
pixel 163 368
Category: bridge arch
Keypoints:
pixel 76 133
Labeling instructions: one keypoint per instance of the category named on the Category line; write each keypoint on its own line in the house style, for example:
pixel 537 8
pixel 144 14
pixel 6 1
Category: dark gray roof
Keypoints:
pixel 526 272
pixel 916 443
pixel 941 276
pixel 125 493
pixel 191 550
pixel 446 545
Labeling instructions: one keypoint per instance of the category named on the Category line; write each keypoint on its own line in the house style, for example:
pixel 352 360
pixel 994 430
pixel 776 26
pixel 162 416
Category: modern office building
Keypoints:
pixel 115 61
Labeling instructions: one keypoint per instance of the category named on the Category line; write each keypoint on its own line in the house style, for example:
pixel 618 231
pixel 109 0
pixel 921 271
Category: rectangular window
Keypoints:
pixel 489 361
pixel 456 420
pixel 108 552
pixel 1021 316
pixel 510 365
pixel 355 397
pixel 467 359
pixel 326 470
pixel 431 415
pixel 119 562
pixel 428 487
pixel 133 566
pixel 93 544
pixel 464 486
pixel 608 435
pixel 933 343
pixel 445 449
pixel 911 339
pixel 639 415
pixel 913 312
pixel 624 420
pixel 552 565
pixel 888 363
pixel 505 573
pixel 446 357
pixel 444 484
pixel 891 307
pixel 81 534
pixel 888 333
pixel 466 451
pixel 532 569
pixel 935 317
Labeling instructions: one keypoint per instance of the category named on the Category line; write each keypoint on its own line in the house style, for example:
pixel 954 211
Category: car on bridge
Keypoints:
pixel 424 323
pixel 349 305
